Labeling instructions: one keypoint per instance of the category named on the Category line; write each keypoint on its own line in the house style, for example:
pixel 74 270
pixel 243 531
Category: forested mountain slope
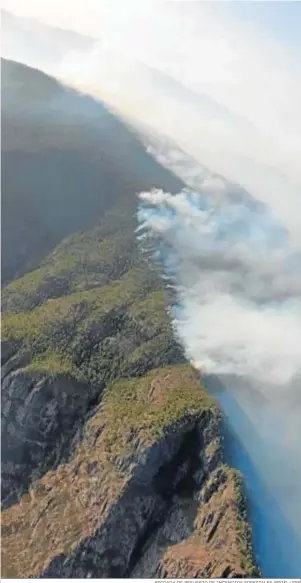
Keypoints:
pixel 112 459
pixel 65 159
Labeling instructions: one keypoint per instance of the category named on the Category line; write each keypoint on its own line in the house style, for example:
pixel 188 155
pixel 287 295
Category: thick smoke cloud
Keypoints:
pixel 236 309
pixel 229 262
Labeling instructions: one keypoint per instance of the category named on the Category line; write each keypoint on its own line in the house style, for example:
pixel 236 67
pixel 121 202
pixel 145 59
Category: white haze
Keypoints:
pixel 229 264
pixel 230 97
pixel 235 102
pixel 227 94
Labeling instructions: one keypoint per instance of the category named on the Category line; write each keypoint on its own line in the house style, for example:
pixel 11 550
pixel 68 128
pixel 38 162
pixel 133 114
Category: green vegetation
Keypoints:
pixel 95 311
pixel 93 308
pixel 51 362
pixel 80 262
pixel 153 307
pixel 145 406
pixel 76 308
pixel 95 330
pixel 243 528
pixel 75 161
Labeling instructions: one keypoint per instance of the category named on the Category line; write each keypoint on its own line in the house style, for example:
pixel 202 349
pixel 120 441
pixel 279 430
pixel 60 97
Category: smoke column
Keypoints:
pixel 236 283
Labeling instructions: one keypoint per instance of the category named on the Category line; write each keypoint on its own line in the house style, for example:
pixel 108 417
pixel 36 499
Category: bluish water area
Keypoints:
pixel 276 544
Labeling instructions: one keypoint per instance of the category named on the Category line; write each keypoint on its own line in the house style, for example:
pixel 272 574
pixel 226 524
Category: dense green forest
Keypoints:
pixel 93 309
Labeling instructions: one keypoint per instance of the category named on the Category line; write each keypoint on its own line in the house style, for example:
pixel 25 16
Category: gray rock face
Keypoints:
pixel 156 509
pixel 166 483
pixel 41 415
pixel 173 491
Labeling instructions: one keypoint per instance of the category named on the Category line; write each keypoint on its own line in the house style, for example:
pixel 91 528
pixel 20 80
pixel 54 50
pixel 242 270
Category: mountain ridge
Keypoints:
pixel 110 443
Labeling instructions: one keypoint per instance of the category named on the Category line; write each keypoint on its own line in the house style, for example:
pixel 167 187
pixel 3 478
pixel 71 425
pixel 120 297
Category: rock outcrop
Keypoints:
pixel 41 415
pixel 133 500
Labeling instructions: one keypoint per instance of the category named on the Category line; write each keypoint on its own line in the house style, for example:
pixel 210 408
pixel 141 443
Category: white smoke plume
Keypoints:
pixel 236 279
pixel 238 282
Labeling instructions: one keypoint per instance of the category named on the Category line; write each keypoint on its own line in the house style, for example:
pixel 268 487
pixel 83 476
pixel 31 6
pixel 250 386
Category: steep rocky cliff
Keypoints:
pixel 112 459
pixel 144 492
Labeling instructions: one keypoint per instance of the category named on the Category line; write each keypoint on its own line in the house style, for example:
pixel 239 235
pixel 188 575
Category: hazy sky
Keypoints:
pixel 281 19
pixel 243 56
